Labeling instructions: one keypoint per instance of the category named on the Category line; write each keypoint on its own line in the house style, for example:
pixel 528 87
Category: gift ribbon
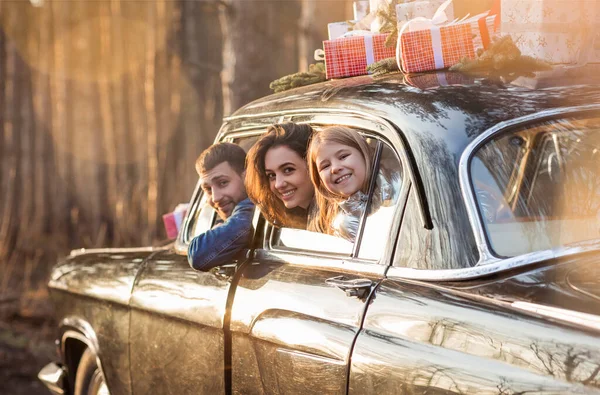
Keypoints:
pixel 436 44
pixel 483 30
pixel 369 50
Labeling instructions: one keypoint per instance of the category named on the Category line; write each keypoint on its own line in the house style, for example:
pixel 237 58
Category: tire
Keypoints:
pixel 89 379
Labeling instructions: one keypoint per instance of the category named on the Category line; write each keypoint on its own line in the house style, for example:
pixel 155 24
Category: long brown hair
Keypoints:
pixel 323 197
pixel 294 136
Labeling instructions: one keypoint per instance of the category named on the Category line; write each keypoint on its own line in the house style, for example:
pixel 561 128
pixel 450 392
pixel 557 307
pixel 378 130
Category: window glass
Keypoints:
pixel 383 206
pixel 429 249
pixel 538 188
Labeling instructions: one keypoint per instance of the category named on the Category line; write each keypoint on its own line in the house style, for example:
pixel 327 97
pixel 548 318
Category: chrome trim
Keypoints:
pixel 583 319
pixel 53 376
pixel 486 256
pixel 315 260
pixel 500 265
pixel 81 251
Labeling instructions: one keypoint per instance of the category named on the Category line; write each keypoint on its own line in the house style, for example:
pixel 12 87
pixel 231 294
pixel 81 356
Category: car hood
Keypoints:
pixel 559 287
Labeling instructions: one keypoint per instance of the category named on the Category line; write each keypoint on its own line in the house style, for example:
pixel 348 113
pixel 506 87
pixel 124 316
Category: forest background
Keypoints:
pixel 104 107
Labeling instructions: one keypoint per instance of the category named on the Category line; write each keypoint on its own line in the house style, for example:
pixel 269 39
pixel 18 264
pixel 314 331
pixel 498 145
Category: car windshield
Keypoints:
pixel 538 188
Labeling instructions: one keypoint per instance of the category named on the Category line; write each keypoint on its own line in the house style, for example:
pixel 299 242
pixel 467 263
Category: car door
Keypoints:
pixel 428 332
pixel 300 302
pixel 177 313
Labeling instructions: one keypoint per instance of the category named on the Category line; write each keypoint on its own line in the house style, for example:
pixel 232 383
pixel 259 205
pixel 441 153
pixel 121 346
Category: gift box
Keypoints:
pixel 173 220
pixel 338 29
pixel 425 9
pixel 557 31
pixel 439 47
pixel 350 56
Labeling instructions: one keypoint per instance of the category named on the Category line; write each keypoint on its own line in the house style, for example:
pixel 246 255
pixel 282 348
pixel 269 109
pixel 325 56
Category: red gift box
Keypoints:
pixel 350 56
pixel 441 47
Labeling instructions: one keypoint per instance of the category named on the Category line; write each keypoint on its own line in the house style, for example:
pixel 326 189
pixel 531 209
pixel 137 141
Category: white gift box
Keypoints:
pixel 338 29
pixel 425 9
pixel 557 31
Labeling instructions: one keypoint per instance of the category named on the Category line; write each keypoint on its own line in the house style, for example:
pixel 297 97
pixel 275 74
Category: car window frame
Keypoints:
pixel 488 263
pixel 182 242
pixel 385 134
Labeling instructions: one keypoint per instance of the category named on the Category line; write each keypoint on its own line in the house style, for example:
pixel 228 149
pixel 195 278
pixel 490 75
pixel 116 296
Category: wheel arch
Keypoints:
pixel 77 335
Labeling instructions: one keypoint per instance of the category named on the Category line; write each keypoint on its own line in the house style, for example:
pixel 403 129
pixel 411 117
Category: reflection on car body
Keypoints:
pixel 482 278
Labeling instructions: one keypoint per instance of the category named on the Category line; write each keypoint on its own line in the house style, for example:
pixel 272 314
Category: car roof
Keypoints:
pixel 447 106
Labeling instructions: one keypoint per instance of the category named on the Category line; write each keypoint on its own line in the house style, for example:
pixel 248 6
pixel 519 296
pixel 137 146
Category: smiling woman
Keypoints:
pixel 277 178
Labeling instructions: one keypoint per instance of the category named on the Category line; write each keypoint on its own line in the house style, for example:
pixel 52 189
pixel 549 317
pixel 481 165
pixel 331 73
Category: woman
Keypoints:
pixel 277 178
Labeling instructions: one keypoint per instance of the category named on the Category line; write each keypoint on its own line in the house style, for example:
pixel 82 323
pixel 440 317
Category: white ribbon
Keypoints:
pixel 369 50
pixel 436 44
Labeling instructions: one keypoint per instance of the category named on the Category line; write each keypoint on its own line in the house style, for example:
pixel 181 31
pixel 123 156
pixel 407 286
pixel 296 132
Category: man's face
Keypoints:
pixel 224 188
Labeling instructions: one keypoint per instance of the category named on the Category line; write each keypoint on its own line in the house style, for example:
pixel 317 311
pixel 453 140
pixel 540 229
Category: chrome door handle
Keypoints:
pixel 359 287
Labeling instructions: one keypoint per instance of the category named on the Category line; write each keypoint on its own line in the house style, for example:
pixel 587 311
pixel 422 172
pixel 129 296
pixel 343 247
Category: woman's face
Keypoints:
pixel 288 177
pixel 342 168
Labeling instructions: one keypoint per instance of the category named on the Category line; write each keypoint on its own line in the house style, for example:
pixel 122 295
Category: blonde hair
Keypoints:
pixel 323 197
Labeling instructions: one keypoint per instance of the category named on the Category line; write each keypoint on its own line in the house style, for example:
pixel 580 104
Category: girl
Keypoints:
pixel 339 161
pixel 277 178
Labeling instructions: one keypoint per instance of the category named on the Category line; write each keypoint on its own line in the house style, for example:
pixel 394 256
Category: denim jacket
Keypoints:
pixel 219 245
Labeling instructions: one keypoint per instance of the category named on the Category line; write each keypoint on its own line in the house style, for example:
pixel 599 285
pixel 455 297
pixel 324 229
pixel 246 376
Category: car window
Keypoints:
pixel 538 187
pixel 376 226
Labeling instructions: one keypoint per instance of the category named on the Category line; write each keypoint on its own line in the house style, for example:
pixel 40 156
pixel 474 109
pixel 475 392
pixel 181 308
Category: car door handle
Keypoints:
pixel 358 287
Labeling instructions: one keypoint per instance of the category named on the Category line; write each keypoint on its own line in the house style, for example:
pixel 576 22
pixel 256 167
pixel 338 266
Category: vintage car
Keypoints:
pixel 482 277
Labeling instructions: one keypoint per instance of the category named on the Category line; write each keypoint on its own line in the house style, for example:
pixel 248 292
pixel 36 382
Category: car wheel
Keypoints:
pixel 89 379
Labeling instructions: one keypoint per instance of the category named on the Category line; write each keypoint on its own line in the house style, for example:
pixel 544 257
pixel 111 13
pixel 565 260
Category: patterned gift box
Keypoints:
pixel 350 56
pixel 557 31
pixel 441 47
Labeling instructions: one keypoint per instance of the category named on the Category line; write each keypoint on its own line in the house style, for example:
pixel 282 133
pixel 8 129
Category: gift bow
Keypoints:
pixel 422 23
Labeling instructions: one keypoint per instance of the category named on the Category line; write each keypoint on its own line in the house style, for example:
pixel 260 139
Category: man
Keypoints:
pixel 221 170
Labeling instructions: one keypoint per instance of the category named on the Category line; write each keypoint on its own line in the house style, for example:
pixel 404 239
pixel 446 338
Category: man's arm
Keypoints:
pixel 219 245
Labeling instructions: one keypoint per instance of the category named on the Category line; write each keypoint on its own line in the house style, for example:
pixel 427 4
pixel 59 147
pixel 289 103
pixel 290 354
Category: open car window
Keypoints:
pixel 537 188
pixel 358 235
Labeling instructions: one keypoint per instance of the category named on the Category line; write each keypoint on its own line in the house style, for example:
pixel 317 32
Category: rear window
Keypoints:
pixel 538 187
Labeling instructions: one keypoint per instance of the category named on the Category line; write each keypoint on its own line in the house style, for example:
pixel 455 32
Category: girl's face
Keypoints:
pixel 288 177
pixel 342 168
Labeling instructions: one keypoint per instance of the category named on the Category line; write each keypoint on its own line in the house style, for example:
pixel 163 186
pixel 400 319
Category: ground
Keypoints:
pixel 26 345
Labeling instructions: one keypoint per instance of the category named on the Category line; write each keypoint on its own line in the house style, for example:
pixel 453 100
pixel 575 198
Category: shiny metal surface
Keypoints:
pixel 498 266
pixel 486 257
pixel 292 332
pixel 176 333
pixel 421 339
pixel 91 294
pixel 53 377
